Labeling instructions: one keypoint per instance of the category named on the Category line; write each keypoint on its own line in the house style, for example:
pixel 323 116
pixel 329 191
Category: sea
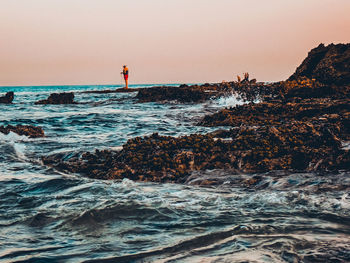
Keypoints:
pixel 48 216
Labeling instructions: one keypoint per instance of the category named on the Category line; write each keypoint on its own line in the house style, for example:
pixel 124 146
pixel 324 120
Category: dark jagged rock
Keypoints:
pixel 59 98
pixel 27 130
pixel 8 98
pixel 328 64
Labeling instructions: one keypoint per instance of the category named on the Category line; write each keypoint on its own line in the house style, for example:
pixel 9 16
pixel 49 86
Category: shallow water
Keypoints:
pixel 46 216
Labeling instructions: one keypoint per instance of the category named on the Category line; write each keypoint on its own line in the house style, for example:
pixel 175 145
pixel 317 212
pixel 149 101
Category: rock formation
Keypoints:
pixel 328 64
pixel 8 98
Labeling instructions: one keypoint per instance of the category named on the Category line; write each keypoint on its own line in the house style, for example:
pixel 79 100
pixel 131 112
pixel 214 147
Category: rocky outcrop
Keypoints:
pixel 27 130
pixel 298 125
pixel 59 98
pixel 328 64
pixel 294 128
pixel 8 98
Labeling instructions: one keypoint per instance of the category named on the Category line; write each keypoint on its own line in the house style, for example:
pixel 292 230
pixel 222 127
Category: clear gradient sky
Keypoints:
pixel 57 42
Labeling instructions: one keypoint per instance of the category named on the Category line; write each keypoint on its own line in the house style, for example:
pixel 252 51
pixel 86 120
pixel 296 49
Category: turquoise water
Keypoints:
pixel 47 216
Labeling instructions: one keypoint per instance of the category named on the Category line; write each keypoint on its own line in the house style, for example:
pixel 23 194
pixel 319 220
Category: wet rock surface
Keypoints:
pixel 27 130
pixel 7 98
pixel 59 98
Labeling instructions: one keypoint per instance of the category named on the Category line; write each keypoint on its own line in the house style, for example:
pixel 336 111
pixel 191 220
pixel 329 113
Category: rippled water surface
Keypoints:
pixel 46 216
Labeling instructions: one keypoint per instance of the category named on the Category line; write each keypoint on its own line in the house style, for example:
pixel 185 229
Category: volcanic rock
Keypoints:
pixel 27 130
pixel 59 98
pixel 8 98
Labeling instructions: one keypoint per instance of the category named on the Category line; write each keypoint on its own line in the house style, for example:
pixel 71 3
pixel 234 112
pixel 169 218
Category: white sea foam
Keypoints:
pixel 116 148
pixel 15 140
pixel 13 137
pixel 346 145
pixel 229 101
pixel 20 150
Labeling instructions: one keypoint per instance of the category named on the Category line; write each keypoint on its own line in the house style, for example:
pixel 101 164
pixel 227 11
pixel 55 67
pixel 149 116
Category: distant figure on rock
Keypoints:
pixel 246 77
pixel 125 73
pixel 8 98
pixel 238 79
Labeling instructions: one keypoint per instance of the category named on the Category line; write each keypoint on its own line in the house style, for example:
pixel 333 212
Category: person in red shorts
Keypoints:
pixel 126 75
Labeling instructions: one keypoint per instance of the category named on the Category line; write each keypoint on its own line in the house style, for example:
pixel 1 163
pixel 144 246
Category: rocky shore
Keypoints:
pixel 298 125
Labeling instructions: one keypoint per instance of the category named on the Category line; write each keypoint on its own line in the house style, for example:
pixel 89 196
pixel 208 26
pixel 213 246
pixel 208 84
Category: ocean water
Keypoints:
pixel 47 216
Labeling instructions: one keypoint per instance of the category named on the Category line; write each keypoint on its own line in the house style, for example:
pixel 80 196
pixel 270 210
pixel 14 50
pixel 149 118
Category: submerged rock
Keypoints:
pixel 8 98
pixel 328 64
pixel 59 98
pixel 27 130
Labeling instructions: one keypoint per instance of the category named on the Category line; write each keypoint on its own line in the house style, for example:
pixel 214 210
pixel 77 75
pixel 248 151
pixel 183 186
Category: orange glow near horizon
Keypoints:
pixel 60 42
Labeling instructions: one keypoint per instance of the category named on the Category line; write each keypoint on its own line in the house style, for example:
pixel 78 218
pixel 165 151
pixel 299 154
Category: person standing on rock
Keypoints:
pixel 125 73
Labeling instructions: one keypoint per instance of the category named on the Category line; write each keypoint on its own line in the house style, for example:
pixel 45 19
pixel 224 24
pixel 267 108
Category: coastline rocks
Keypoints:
pixel 27 130
pixel 8 98
pixel 58 98
pixel 328 64
pixel 299 125
pixel 297 146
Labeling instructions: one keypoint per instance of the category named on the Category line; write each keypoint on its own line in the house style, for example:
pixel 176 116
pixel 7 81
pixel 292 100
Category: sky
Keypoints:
pixel 77 42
